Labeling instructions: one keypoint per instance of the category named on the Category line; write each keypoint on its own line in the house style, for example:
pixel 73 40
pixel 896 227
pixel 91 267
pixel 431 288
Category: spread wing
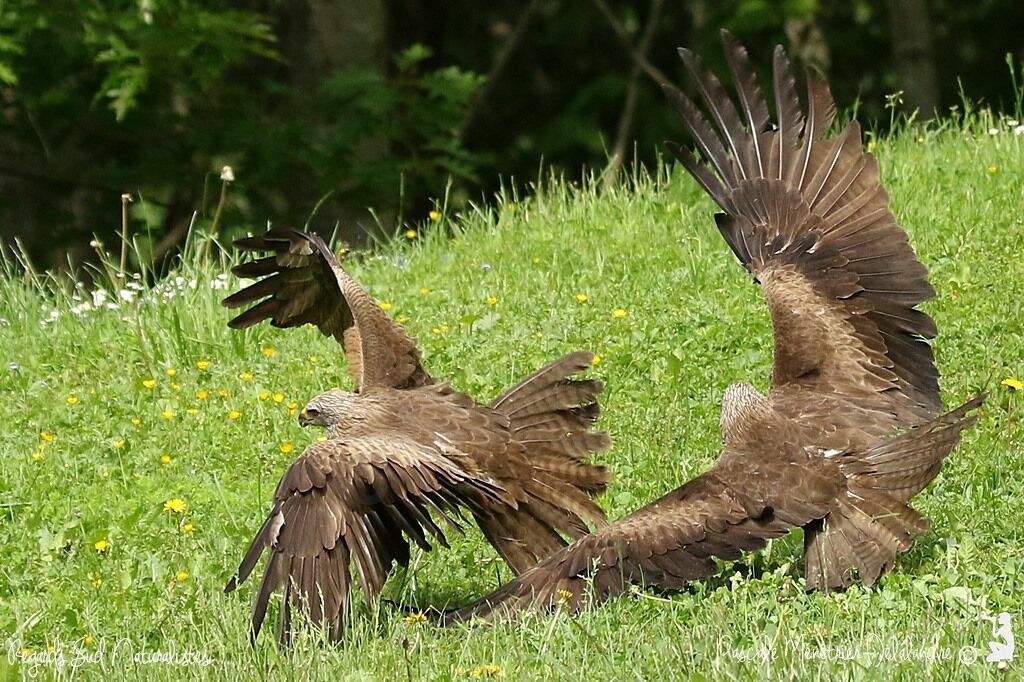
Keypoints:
pixel 303 283
pixel 806 214
pixel 354 500
pixel 733 508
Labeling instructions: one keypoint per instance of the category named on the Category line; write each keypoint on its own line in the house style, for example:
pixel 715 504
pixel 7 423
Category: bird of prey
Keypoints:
pixel 850 429
pixel 406 455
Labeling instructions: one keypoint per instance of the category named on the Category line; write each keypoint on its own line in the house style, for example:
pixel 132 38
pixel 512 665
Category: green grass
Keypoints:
pixel 694 324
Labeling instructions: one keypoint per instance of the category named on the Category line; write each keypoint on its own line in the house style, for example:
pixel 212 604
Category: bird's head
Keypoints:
pixel 327 409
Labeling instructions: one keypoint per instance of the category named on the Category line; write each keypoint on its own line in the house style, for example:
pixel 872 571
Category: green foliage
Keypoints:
pixel 694 323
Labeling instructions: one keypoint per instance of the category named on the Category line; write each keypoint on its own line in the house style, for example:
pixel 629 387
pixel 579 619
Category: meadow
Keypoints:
pixel 142 440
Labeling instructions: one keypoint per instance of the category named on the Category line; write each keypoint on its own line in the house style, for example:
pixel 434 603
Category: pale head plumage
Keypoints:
pixel 328 409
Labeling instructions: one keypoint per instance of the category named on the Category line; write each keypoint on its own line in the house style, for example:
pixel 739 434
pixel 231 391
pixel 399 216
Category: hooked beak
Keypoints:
pixel 304 418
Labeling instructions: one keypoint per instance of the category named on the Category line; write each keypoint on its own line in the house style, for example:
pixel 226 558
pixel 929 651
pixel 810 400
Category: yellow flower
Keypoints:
pixel 234 414
pixel 287 447
pixel 872 145
pixel 88 640
pixel 410 234
pixel 582 298
pixel 102 546
pixel 536 260
pixel 540 335
pixel 181 576
pixel 278 397
pixel 149 383
pixel 38 457
pixel 413 618
pixel 72 400
pixel 26 652
pixel 171 372
pixel 245 376
pixel 992 170
pixel 565 594
pixel 1013 384
pixel 167 414
pixel 187 528
pixel 136 421
pixel 165 459
pixel 492 300
pixel 203 395
pixel 424 291
pixel 48 437
pixel 402 319
pixel 203 365
pixel 488 670
pixel 434 216
pixel 619 313
pixel 95 579
pixel 597 360
pixel 313 359
pixel 176 505
pixel 118 444
pixel 511 207
pixel 292 405
pixel 269 351
pixel 385 306
pixel 223 392
pixel 264 395
pixel 174 386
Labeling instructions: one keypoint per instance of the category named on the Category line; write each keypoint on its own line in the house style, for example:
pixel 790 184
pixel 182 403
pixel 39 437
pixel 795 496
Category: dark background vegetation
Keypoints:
pixel 378 111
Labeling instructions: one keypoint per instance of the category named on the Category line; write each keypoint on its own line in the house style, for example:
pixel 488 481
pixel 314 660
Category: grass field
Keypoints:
pixel 142 441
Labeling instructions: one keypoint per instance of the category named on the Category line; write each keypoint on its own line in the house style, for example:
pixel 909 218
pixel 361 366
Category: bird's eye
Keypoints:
pixel 312 412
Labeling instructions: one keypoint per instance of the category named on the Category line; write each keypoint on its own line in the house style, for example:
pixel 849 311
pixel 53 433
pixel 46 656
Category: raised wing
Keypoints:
pixel 806 214
pixel 303 283
pixel 672 541
pixel 355 500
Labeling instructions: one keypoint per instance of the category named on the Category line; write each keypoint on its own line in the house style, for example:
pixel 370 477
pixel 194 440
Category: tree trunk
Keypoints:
pixel 911 31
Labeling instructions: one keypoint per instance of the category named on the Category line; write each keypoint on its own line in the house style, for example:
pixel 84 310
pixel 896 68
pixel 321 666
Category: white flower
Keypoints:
pixel 993 131
pixel 99 297
pixel 227 174
pixel 1019 130
pixel 127 296
pixel 1012 122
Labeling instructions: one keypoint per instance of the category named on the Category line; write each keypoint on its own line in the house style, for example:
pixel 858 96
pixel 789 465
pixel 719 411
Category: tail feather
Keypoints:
pixel 866 529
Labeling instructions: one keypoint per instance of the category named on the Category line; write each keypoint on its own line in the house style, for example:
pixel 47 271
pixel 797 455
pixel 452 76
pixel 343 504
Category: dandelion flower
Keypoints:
pixel 203 395
pixel 414 618
pixel 313 359
pixel 223 392
pixel 102 546
pixel 582 298
pixel 488 670
pixel 410 234
pixel 597 360
pixel 1013 384
pixel 385 306
pixel 269 351
pixel 72 399
pixel 149 383
pixel 264 395
pixel 48 437
pixel 424 291
pixel 88 640
pixel 187 528
pixel 619 313
pixel 26 652
pixel 434 216
pixel 174 386
pixel 167 414
pixel 38 456
pixel 234 414
pixel 292 405
pixel 872 145
pixel 165 459
pixel 287 447
pixel 245 376
pixel 118 444
pixel 278 397
pixel 492 300
pixel 176 505
pixel 992 170
pixel 536 260
pixel 95 579
pixel 171 372
pixel 181 576
pixel 203 365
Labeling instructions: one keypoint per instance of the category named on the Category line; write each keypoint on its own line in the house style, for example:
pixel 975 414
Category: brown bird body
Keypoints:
pixel 850 429
pixel 406 455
